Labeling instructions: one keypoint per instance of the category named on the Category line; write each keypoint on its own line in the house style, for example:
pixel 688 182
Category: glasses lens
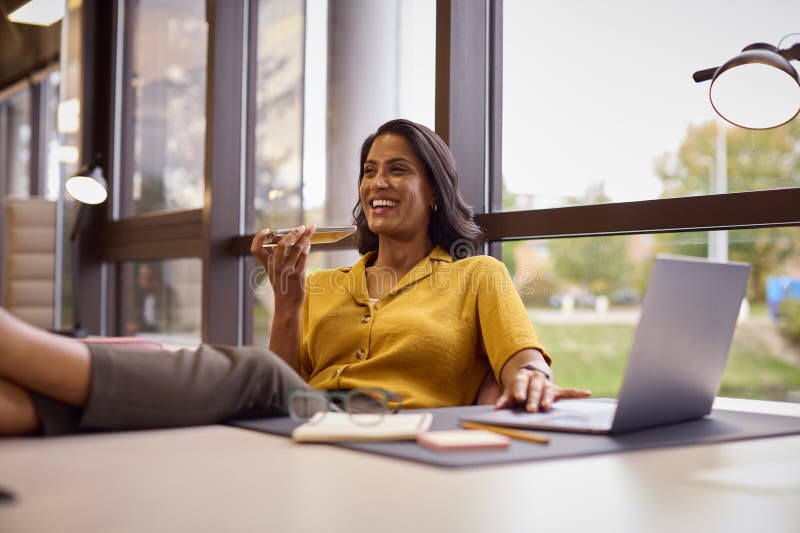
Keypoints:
pixel 305 404
pixel 366 407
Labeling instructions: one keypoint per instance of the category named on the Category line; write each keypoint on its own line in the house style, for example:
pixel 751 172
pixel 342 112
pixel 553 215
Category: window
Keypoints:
pixel 583 296
pixel 166 102
pixel 279 115
pixel 362 65
pixel 597 111
pixel 380 63
pixel 161 300
pixel 17 171
pixel 605 140
pixel 51 171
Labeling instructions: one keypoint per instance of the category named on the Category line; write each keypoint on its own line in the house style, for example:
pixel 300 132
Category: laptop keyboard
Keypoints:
pixel 596 420
pixel 600 418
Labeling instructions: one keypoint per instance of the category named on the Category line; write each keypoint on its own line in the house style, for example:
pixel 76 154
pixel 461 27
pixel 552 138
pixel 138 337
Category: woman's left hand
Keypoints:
pixel 535 392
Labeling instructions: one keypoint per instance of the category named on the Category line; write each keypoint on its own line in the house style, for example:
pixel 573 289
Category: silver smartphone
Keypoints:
pixel 323 235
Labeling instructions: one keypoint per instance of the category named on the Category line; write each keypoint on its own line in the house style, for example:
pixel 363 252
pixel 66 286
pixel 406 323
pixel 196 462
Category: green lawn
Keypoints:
pixel 593 356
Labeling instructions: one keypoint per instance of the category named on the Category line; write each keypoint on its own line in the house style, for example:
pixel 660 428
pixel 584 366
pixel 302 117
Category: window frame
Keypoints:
pixel 468 115
pixel 741 210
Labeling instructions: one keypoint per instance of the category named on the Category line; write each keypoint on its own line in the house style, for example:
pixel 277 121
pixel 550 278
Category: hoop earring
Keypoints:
pixel 435 207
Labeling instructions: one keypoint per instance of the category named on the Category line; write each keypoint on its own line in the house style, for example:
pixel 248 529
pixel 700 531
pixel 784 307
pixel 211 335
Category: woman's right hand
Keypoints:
pixel 285 264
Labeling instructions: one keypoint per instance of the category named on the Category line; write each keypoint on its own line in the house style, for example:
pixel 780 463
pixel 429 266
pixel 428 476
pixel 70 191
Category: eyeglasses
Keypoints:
pixel 366 407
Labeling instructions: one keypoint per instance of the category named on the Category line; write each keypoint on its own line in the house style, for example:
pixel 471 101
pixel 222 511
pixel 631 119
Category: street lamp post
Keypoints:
pixel 718 240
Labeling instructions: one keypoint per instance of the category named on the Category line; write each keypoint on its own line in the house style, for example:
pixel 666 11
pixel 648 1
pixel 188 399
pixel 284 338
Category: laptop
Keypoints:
pixel 676 362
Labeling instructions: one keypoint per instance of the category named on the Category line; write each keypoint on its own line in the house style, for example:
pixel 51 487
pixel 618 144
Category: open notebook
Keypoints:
pixel 340 427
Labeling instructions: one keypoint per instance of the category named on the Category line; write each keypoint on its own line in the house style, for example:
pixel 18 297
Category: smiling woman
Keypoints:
pixel 421 153
pixel 397 197
pixel 417 314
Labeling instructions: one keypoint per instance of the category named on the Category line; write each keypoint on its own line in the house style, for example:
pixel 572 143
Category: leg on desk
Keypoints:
pixel 73 386
pixel 17 414
pixel 50 364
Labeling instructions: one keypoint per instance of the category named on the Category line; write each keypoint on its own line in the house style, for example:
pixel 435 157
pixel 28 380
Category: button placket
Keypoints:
pixel 361 353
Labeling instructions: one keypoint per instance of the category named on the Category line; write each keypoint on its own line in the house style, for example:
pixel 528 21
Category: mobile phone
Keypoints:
pixel 323 235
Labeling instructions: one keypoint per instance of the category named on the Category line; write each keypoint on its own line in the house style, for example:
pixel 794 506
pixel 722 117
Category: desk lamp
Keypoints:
pixel 88 187
pixel 758 89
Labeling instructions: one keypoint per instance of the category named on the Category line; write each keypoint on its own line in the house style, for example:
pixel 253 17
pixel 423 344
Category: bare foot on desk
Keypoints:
pixel 37 360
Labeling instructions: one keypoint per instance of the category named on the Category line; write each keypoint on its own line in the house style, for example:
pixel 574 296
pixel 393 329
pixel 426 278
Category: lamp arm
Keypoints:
pixel 80 222
pixel 704 75
pixel 793 52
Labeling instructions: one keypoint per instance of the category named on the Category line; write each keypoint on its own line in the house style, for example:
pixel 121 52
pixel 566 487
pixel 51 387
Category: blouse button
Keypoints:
pixel 360 354
pixel 365 319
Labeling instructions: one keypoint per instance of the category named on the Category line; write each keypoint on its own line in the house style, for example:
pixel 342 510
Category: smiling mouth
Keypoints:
pixel 377 204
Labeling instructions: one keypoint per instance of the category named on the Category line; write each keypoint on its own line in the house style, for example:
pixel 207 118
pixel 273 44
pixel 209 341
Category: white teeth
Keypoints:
pixel 384 203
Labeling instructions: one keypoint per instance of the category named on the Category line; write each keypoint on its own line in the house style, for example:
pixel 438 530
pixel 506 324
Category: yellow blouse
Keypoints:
pixel 432 339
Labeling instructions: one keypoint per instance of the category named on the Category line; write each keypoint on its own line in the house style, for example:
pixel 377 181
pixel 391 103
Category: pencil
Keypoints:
pixel 509 432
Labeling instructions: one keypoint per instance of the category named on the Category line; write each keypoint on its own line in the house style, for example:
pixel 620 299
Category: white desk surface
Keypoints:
pixel 217 479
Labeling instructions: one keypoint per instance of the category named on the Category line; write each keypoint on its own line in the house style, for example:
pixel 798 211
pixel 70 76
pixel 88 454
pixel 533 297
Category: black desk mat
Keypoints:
pixel 719 426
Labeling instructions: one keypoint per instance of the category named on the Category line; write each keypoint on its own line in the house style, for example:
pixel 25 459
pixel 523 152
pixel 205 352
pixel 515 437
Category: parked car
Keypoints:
pixel 583 299
pixel 625 296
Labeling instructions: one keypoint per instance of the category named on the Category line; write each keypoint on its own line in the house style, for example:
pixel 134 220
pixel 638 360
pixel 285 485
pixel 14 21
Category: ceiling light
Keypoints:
pixel 38 12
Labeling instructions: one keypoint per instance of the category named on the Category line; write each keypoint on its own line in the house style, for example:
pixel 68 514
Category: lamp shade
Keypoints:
pixel 88 186
pixel 757 89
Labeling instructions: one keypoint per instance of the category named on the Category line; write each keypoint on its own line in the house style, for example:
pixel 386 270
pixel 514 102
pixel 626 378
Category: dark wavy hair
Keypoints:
pixel 452 226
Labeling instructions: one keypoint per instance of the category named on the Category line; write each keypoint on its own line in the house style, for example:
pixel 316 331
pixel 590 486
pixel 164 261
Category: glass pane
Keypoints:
pixel 52 171
pixel 19 144
pixel 168 103
pixel 162 300
pixel 263 303
pixel 279 114
pixel 380 65
pixel 328 77
pixel 68 124
pixel 263 298
pixel 583 298
pixel 611 113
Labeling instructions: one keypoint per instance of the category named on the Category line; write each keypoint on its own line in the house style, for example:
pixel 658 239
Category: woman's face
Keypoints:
pixel 395 192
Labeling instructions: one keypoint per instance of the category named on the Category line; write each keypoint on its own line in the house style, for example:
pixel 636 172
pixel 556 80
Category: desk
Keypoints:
pixel 217 478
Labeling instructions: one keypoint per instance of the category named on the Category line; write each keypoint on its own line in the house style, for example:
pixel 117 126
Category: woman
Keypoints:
pixel 420 320
pixel 411 221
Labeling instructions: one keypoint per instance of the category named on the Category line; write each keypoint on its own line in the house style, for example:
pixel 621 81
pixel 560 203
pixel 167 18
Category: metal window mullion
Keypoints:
pixel 494 131
pixel 225 171
pixel 4 149
pixel 3 182
pixel 247 205
pixel 38 144
pixel 467 97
